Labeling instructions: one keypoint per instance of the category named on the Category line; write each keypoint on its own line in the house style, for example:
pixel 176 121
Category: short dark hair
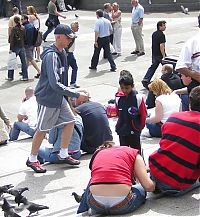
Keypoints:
pixel 15 10
pixel 194 99
pixel 160 23
pixel 126 80
pixel 99 13
pixel 25 16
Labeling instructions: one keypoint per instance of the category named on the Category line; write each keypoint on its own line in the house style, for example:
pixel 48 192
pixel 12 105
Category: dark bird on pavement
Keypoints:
pixel 17 191
pixel 77 197
pixel 8 209
pixel 33 207
pixel 4 188
pixel 20 199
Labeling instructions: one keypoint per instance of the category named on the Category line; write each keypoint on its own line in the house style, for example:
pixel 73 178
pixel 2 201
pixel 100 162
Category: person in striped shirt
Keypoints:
pixel 175 166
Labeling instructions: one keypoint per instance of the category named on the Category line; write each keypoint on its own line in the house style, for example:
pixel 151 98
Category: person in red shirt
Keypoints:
pixel 112 189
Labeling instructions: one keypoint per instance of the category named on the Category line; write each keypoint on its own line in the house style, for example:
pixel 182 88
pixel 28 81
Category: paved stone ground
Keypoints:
pixel 54 188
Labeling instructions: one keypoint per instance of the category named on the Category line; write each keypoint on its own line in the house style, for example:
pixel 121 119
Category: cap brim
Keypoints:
pixel 71 35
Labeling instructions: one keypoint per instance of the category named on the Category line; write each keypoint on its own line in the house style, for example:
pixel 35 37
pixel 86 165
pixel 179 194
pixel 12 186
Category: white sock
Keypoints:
pixel 63 152
pixel 33 158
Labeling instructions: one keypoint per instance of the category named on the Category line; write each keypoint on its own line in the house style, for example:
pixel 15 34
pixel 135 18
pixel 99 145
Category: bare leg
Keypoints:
pixel 66 135
pixel 34 64
pixel 37 141
pixel 38 53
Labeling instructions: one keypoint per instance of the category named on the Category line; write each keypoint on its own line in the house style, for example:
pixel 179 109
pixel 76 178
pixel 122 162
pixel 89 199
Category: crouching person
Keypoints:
pixel 112 189
pixel 50 154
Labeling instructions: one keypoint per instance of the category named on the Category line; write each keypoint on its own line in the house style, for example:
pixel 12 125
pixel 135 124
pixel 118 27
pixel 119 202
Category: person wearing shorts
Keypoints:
pixel 51 94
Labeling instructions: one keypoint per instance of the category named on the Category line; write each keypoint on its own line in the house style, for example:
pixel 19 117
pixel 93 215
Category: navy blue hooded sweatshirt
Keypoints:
pixel 52 85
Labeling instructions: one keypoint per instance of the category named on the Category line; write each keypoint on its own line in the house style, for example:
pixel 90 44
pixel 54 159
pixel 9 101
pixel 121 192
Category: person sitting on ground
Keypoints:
pixel 166 104
pixel 4 120
pixel 50 154
pixel 175 165
pixel 172 79
pixel 131 112
pixel 27 116
pixel 95 122
pixel 112 189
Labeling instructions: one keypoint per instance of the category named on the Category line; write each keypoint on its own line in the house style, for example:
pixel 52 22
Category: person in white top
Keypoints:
pixel 188 63
pixel 34 19
pixel 117 28
pixel 11 22
pixel 166 104
pixel 27 116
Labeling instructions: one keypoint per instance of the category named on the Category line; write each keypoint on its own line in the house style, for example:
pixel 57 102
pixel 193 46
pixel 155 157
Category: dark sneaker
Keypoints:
pixel 135 52
pixel 141 54
pixel 9 79
pixel 145 84
pixel 68 160
pixel 37 76
pixel 35 166
pixel 92 68
pixel 113 69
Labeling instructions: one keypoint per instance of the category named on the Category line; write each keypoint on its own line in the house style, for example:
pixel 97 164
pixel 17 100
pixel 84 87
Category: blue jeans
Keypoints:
pixel 22 55
pixel 168 190
pixel 185 102
pixel 72 62
pixel 49 30
pixel 20 126
pixel 156 60
pixel 154 129
pixel 129 206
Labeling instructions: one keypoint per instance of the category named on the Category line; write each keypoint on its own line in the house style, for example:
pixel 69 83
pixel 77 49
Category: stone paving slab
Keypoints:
pixel 55 187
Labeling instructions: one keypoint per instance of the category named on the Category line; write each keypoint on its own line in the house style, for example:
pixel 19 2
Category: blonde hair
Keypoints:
pixel 159 87
pixel 32 10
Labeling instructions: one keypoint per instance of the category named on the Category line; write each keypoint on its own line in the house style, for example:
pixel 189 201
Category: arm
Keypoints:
pixel 96 38
pixel 21 117
pixel 158 114
pixel 140 21
pixel 162 49
pixel 4 117
pixel 181 91
pixel 142 176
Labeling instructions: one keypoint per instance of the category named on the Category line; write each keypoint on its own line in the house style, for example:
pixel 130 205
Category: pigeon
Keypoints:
pixel 33 207
pixel 8 209
pixel 76 15
pixel 4 188
pixel 77 197
pixel 184 10
pixel 20 199
pixel 17 191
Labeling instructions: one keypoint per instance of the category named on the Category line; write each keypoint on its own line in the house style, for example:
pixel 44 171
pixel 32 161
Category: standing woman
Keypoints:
pixel 17 39
pixel 34 19
pixel 117 28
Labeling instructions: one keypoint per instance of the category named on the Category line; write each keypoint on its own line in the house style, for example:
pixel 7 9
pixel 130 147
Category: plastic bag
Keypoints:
pixel 12 61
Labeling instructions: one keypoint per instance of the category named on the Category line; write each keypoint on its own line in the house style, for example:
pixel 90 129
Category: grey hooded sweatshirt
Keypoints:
pixel 52 85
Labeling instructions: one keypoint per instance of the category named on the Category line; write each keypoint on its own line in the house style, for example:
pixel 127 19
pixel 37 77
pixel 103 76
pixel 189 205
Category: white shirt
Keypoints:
pixel 29 108
pixel 190 54
pixel 171 103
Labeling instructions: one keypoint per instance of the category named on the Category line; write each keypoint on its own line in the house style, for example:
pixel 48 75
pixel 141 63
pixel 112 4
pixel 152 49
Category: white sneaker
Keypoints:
pixel 145 133
pixel 73 86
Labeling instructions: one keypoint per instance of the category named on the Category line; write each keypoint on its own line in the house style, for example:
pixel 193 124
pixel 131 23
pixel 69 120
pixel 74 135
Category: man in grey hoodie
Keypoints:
pixel 51 94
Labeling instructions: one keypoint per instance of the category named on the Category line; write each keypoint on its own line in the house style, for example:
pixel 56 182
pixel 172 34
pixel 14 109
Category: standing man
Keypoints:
pixel 17 3
pixel 52 20
pixel 136 27
pixel 188 63
pixel 11 22
pixel 71 60
pixel 51 93
pixel 158 52
pixel 102 30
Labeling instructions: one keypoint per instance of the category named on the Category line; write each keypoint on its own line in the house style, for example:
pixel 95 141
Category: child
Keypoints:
pixel 131 112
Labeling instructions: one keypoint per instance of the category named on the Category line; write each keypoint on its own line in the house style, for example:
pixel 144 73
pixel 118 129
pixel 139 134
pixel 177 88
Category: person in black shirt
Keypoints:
pixel 158 52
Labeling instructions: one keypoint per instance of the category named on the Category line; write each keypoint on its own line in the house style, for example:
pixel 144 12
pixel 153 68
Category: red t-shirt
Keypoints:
pixel 114 165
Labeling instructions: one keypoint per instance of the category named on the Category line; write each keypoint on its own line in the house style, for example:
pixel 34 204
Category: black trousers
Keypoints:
pixel 132 141
pixel 105 44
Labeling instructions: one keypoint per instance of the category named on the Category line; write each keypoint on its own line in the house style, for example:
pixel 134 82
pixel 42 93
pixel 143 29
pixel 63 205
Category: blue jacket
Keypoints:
pixel 52 85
